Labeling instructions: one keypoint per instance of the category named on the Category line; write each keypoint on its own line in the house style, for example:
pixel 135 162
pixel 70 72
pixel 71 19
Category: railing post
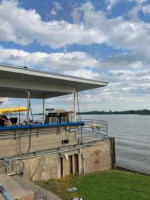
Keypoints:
pixel 92 127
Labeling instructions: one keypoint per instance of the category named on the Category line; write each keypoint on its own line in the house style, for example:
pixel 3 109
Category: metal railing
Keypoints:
pixel 93 130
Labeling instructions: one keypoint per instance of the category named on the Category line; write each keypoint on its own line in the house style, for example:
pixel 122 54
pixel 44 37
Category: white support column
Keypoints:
pixel 43 111
pixel 75 106
pixel 28 105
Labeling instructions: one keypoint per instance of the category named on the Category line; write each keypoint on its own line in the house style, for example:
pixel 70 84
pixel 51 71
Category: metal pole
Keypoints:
pixel 75 108
pixel 28 105
pixel 19 117
pixel 4 193
pixel 43 111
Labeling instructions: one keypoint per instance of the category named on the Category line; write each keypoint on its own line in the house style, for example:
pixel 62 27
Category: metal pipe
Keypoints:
pixel 5 193
pixel 51 152
pixel 54 152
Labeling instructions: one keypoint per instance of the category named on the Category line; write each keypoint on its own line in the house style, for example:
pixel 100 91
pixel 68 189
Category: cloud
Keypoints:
pixel 125 82
pixel 84 73
pixel 139 1
pixel 57 7
pixel 53 12
pixel 124 34
pixel 55 62
pixel 146 9
pixel 26 26
pixel 111 4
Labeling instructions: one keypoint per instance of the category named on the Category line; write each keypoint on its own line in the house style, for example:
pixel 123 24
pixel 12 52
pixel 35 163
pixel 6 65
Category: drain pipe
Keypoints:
pixel 84 165
pixel 4 193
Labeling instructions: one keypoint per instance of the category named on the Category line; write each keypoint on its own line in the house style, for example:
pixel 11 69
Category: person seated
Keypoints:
pixel 5 121
pixel 1 122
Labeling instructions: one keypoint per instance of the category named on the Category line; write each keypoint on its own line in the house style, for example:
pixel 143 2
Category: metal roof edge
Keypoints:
pixel 55 75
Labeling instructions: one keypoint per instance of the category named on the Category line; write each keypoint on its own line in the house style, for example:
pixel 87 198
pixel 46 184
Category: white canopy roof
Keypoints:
pixel 15 81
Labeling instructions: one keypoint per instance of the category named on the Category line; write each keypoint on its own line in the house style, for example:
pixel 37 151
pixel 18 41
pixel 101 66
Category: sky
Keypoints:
pixel 106 40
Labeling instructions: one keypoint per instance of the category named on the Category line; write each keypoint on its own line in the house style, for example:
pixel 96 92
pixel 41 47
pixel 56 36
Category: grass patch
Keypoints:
pixel 110 185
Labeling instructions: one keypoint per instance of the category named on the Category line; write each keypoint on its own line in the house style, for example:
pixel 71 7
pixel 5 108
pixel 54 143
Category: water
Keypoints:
pixel 132 133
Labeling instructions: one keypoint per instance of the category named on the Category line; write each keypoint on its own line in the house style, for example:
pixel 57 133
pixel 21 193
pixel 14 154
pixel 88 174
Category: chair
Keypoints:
pixel 2 122
pixel 14 120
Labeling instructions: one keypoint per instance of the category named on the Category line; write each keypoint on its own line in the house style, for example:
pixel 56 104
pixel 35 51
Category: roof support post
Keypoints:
pixel 75 106
pixel 43 111
pixel 28 106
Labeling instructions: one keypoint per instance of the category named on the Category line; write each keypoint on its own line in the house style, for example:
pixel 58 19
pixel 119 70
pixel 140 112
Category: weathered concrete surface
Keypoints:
pixel 41 193
pixel 42 168
pixel 92 157
pixel 15 190
pixel 97 157
pixel 52 138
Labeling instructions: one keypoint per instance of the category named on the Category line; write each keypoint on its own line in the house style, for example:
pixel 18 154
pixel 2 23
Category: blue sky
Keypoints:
pixel 105 40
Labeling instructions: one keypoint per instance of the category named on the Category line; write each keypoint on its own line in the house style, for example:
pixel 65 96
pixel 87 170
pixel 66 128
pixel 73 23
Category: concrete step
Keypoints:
pixel 14 189
pixel 40 193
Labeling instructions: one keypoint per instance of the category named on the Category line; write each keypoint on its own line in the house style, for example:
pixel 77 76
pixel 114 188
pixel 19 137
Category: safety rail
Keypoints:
pixel 93 130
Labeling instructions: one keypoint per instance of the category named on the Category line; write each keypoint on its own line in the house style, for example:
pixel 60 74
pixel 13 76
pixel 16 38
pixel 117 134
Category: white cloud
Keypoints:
pixel 111 4
pixel 84 73
pixel 55 10
pixel 57 5
pixel 56 62
pixel 25 26
pixel 120 33
pixel 139 1
pixel 146 9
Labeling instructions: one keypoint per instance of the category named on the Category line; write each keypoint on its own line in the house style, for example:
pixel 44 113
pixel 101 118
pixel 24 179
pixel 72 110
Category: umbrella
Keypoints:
pixel 11 110
pixel 3 110
pixel 19 109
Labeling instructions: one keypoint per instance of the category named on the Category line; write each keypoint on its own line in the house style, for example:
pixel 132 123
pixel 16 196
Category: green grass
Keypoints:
pixel 110 185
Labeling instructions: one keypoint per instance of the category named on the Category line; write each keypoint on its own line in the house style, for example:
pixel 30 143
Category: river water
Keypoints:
pixel 132 134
